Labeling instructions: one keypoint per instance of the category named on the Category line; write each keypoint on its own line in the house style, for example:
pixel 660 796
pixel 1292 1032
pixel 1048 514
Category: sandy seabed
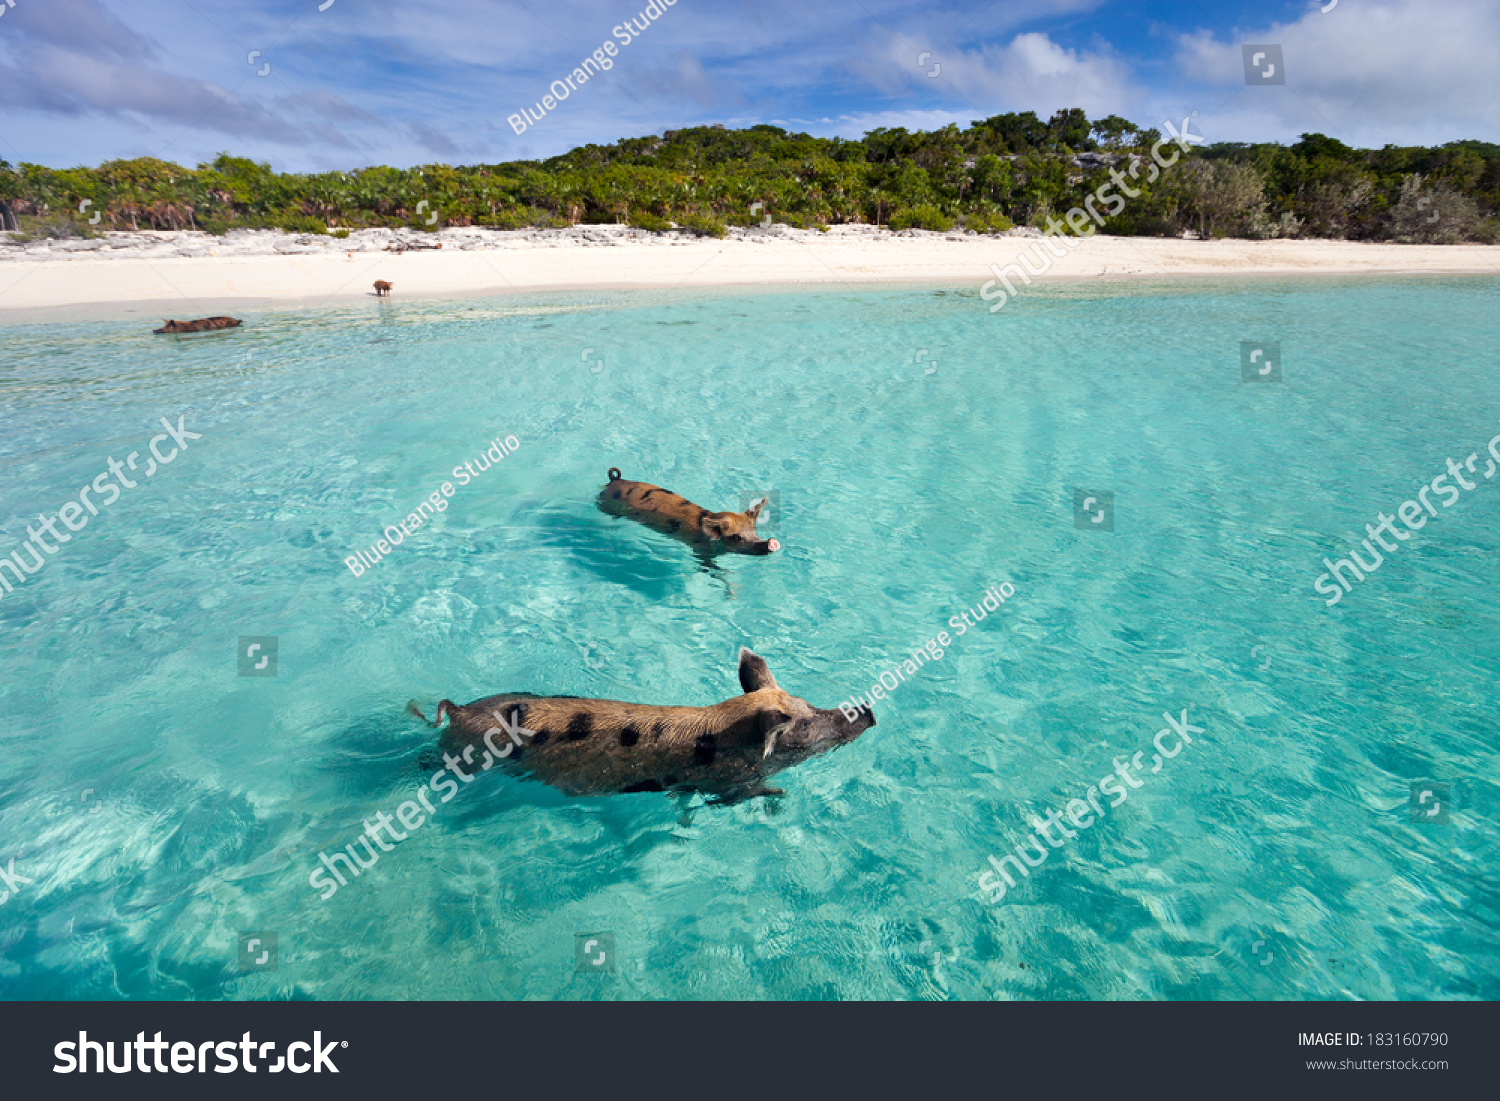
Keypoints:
pixel 188 275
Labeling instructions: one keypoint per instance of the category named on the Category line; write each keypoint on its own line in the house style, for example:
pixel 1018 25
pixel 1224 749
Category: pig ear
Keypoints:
pixel 754 510
pixel 755 674
pixel 713 528
pixel 773 724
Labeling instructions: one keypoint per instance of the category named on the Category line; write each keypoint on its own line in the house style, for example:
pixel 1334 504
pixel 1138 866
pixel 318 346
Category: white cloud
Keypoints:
pixel 688 77
pixel 1409 72
pixel 404 81
pixel 75 83
pixel 1029 73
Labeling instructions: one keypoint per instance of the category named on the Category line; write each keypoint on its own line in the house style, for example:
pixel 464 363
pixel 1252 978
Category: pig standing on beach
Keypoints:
pixel 671 514
pixel 602 747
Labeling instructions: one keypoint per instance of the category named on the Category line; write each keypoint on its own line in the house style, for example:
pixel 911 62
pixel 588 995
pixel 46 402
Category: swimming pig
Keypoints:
pixel 601 747
pixel 710 532
pixel 202 325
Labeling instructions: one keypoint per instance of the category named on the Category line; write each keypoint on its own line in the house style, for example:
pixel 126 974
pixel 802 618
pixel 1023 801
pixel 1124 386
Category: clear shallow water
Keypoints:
pixel 904 495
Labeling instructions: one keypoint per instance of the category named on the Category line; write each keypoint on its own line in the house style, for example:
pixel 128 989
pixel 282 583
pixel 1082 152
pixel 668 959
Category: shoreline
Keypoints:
pixel 188 275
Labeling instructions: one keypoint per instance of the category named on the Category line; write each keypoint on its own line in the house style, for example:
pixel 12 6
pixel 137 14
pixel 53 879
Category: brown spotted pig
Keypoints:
pixel 709 532
pixel 602 747
pixel 202 325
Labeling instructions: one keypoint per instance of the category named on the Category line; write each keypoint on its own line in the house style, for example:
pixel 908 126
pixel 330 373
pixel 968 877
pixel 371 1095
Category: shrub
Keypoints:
pixel 803 221
pixel 1263 227
pixel 642 219
pixel 1218 195
pixel 703 225
pixel 1436 215
pixel 300 223
pixel 339 233
pixel 1143 224
pixel 1345 205
pixel 56 226
pixel 521 217
pixel 987 223
pixel 922 217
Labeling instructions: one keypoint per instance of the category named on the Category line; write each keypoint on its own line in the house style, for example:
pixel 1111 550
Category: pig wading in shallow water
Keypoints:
pixel 709 532
pixel 202 325
pixel 602 747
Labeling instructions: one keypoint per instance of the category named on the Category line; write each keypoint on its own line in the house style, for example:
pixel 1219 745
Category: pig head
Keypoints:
pixel 599 747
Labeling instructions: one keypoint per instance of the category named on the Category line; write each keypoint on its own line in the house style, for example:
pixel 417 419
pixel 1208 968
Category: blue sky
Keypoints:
pixel 417 81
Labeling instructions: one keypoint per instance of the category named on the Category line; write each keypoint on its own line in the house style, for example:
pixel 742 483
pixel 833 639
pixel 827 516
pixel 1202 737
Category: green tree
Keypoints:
pixel 1010 167
pixel 1069 130
pixel 10 191
pixel 1113 133
pixel 1437 214
pixel 1218 194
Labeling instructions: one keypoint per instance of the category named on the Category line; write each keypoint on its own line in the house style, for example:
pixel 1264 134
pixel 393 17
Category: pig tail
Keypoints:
pixel 614 474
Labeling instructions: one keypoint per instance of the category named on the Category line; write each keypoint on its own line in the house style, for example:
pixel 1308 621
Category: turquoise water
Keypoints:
pixel 904 491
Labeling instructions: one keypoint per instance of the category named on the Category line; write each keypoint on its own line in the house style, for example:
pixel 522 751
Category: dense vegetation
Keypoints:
pixel 1010 169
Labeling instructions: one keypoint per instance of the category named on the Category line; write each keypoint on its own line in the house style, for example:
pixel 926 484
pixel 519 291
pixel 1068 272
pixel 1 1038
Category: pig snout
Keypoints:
pixel 822 731
pixel 736 543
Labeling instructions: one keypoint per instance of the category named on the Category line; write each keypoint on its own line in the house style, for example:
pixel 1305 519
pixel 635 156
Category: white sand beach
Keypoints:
pixel 186 275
